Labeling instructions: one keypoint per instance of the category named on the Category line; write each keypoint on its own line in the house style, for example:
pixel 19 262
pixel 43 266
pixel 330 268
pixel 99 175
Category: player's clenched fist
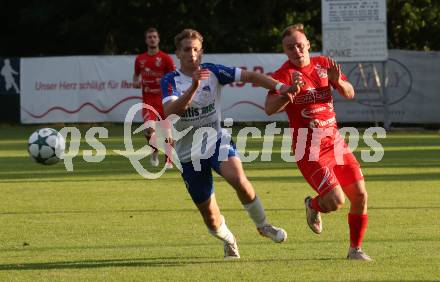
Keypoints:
pixel 200 74
pixel 297 81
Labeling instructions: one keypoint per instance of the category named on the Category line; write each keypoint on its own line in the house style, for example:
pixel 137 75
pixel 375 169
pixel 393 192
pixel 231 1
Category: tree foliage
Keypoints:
pixel 83 27
pixel 414 25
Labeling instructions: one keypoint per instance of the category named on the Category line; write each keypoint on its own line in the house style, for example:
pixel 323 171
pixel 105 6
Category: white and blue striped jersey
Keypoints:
pixel 204 109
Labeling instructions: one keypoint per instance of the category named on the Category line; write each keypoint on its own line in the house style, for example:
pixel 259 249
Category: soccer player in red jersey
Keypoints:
pixel 321 154
pixel 149 68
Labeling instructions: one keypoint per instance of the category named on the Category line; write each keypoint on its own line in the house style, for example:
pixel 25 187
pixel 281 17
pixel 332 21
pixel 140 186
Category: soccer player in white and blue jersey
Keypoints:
pixel 193 93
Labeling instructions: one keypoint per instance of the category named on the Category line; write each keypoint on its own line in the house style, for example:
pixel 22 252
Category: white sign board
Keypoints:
pixel 98 89
pixel 354 31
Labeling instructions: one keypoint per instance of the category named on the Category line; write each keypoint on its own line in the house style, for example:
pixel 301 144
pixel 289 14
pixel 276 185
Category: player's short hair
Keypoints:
pixel 187 33
pixel 291 29
pixel 150 30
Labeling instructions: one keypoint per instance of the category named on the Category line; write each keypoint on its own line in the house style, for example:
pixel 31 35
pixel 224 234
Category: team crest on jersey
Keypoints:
pixel 158 61
pixel 206 90
pixel 205 93
pixel 322 72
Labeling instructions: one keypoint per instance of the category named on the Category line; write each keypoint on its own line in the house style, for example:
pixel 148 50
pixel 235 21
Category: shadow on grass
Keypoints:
pixel 143 262
pixel 21 166
pixel 49 177
pixel 194 210
pixel 421 176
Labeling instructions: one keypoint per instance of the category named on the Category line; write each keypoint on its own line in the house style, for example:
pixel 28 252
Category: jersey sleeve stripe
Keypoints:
pixel 224 74
pixel 237 74
pixel 168 85
pixel 169 98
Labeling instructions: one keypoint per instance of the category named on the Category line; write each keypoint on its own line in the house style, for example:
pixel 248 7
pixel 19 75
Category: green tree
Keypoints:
pixel 414 25
pixel 84 27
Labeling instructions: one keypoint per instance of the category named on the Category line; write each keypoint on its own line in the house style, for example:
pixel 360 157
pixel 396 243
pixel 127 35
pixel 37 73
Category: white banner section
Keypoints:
pixel 77 89
pixel 99 89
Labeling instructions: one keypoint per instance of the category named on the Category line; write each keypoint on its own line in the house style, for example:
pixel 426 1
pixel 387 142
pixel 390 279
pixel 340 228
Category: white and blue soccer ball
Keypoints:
pixel 46 146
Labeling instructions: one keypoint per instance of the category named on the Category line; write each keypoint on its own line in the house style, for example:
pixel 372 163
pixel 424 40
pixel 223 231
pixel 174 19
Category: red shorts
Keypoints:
pixel 153 109
pixel 326 173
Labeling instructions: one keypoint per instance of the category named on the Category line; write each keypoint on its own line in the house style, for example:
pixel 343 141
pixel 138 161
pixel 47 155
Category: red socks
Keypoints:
pixel 358 225
pixel 356 222
pixel 314 204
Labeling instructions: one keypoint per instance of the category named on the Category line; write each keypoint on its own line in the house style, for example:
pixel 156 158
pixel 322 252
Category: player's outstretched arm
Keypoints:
pixel 265 81
pixel 180 105
pixel 259 79
pixel 276 103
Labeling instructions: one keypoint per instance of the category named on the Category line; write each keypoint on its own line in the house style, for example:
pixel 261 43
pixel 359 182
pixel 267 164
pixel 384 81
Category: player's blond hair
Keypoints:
pixel 187 33
pixel 292 28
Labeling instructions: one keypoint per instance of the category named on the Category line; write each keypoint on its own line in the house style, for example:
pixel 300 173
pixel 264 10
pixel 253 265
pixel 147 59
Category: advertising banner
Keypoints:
pixel 99 88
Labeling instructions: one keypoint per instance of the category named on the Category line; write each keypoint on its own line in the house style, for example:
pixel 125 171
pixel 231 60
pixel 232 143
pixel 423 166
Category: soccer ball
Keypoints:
pixel 46 146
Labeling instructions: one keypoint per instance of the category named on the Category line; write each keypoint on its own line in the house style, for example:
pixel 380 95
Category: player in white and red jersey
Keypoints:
pixel 327 164
pixel 149 68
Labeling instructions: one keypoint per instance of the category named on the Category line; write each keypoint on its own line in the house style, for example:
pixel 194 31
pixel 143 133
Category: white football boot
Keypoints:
pixel 358 254
pixel 278 235
pixel 231 250
pixel 313 217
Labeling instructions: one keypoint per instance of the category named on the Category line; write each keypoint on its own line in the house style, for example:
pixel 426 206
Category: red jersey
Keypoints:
pixel 152 68
pixel 313 106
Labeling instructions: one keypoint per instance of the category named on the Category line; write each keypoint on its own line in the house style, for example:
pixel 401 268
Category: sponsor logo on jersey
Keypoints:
pixel 316 123
pixel 158 61
pixel 151 73
pixel 208 109
pixel 322 72
pixel 191 112
pixel 195 112
pixel 314 95
pixel 310 113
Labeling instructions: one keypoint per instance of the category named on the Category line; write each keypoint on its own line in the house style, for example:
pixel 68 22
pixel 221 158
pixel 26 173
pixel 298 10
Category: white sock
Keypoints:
pixel 223 233
pixel 256 212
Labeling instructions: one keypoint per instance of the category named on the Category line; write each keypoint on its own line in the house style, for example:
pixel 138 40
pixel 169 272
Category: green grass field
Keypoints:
pixel 104 222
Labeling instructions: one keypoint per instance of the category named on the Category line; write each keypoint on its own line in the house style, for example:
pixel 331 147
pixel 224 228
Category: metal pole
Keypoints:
pixel 387 120
pixel 381 85
pixel 365 82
